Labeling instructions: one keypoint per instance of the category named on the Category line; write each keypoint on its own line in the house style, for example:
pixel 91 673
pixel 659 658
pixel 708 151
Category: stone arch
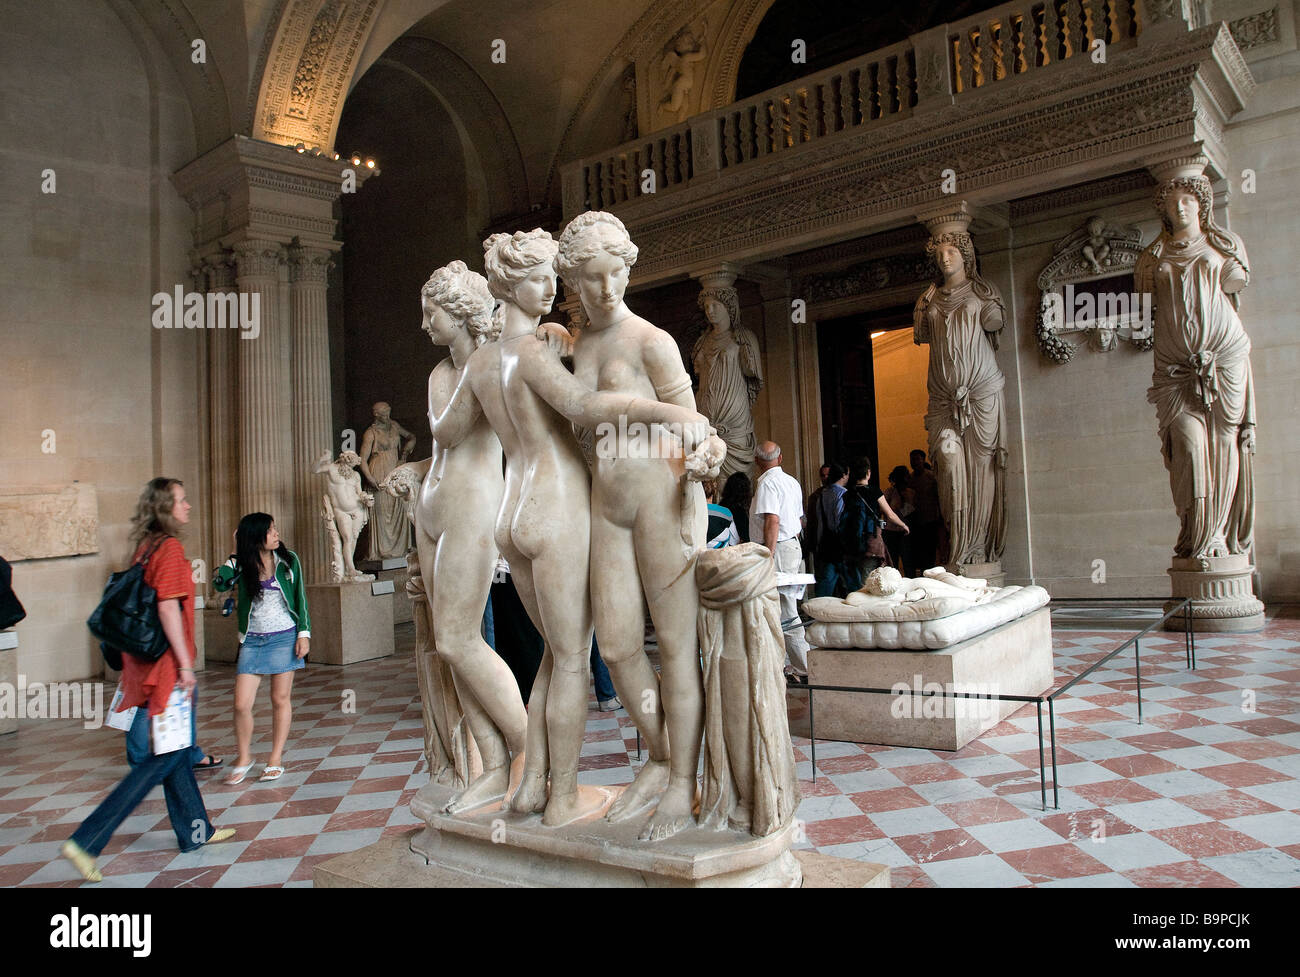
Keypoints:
pixel 174 28
pixel 306 67
pixel 738 29
pixel 477 114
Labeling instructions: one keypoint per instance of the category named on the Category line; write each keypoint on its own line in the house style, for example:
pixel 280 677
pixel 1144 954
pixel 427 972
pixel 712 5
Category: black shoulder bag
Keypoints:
pixel 126 619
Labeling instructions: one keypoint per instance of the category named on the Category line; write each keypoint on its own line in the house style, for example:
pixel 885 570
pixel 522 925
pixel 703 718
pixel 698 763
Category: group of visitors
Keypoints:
pixel 274 634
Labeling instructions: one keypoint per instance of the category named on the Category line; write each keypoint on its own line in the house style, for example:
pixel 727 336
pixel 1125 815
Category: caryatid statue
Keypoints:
pixel 960 318
pixel 1204 395
pixel 384 446
pixel 727 361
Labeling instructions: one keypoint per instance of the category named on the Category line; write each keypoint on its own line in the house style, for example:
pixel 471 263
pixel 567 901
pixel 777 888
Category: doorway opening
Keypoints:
pixel 872 389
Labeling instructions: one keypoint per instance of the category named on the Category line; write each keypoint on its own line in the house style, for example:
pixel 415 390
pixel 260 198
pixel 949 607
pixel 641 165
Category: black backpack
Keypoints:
pixel 126 619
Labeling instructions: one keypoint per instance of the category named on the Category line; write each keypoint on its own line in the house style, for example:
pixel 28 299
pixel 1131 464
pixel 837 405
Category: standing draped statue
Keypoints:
pixel 1202 389
pixel 727 361
pixel 384 446
pixel 960 320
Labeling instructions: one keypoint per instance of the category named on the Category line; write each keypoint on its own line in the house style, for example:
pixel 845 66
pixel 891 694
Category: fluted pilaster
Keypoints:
pixel 265 439
pixel 312 412
pixel 223 414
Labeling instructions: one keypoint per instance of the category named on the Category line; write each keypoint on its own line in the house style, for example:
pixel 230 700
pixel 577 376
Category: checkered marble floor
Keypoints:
pixel 1206 792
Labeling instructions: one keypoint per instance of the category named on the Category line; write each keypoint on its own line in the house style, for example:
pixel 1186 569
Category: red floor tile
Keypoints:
pixel 1154 742
pixel 937 846
pixel 890 799
pixel 1243 774
pixel 1256 749
pixel 1139 765
pixel 1207 840
pixel 1179 875
pixel 927 773
pixel 982 810
pixel 1087 825
pixel 1111 792
pixel 1052 862
pixel 842 831
pixel 1223 805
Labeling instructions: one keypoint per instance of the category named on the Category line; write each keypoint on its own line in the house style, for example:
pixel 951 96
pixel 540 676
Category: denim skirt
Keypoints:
pixel 269 654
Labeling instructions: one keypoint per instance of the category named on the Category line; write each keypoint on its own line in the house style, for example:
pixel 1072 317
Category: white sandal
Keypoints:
pixel 272 773
pixel 237 775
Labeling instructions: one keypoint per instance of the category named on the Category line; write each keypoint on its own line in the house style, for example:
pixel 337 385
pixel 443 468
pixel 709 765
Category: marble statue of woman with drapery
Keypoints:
pixel 727 361
pixel 1202 388
pixel 960 320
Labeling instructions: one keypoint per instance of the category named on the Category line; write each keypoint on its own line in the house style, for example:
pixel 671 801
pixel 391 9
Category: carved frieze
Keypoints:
pixel 867 277
pixel 1256 29
pixel 42 521
pixel 1087 290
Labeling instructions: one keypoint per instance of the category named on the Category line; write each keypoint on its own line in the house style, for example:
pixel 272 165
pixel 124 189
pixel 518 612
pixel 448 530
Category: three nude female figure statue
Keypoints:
pixel 584 546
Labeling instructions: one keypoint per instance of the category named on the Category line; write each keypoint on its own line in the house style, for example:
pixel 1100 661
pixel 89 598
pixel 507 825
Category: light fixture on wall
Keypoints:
pixel 878 333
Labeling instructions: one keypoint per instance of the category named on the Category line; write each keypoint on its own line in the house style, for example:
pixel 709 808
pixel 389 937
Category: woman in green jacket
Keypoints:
pixel 274 633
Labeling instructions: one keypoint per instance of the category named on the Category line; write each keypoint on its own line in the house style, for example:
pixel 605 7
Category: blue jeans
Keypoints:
pixel 185 808
pixel 137 737
pixel 600 674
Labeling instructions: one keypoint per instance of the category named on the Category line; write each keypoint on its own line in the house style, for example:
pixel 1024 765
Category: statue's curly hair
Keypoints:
pixel 509 257
pixel 727 296
pixel 466 297
pixel 577 246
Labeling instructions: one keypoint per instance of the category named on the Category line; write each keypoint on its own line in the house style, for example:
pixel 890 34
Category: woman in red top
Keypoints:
pixel 161 513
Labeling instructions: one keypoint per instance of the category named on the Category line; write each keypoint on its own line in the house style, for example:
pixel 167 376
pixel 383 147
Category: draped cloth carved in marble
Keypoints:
pixel 749 772
pixel 1203 392
pixel 965 419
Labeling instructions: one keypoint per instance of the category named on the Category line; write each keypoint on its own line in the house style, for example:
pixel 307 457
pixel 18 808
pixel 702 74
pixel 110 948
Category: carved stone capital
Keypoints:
pixel 716 279
pixel 1178 168
pixel 219 271
pixel 258 259
pixel 309 264
pixel 952 218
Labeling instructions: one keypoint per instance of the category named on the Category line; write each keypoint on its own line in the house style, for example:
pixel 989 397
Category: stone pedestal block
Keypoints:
pixel 402 613
pixel 349 623
pixel 492 847
pixel 391 864
pixel 219 635
pixel 9 676
pixel 1014 659
pixel 992 572
pixel 1223 598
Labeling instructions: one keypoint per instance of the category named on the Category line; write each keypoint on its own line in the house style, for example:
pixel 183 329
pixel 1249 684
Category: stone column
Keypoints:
pixel 223 414
pixel 312 408
pixel 265 473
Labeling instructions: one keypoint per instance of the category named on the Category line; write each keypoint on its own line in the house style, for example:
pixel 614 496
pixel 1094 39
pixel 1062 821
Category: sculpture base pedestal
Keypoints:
pixel 349 623
pixel 220 634
pixel 391 864
pixel 992 572
pixel 9 677
pixel 495 847
pixel 1223 597
pixel 402 613
pixel 1014 659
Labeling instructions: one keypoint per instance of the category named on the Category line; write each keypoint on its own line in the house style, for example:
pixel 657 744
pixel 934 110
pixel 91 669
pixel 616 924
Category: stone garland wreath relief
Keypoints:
pixel 1087 290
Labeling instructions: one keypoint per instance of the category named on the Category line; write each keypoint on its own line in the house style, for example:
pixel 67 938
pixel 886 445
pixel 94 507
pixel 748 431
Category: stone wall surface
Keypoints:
pixel 80 357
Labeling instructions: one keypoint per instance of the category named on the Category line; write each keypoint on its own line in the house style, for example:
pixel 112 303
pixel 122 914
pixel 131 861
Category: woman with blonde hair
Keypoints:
pixel 160 516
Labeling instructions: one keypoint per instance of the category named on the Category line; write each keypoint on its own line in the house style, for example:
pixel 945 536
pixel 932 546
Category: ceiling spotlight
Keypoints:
pixel 370 163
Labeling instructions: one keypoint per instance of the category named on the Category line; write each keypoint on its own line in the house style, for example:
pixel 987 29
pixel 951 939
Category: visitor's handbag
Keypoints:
pixel 126 619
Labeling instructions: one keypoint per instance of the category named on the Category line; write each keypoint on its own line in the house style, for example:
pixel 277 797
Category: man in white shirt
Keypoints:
pixel 775 519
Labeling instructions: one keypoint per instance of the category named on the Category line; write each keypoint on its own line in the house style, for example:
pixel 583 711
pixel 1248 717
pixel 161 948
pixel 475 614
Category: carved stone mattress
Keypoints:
pixel 834 628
